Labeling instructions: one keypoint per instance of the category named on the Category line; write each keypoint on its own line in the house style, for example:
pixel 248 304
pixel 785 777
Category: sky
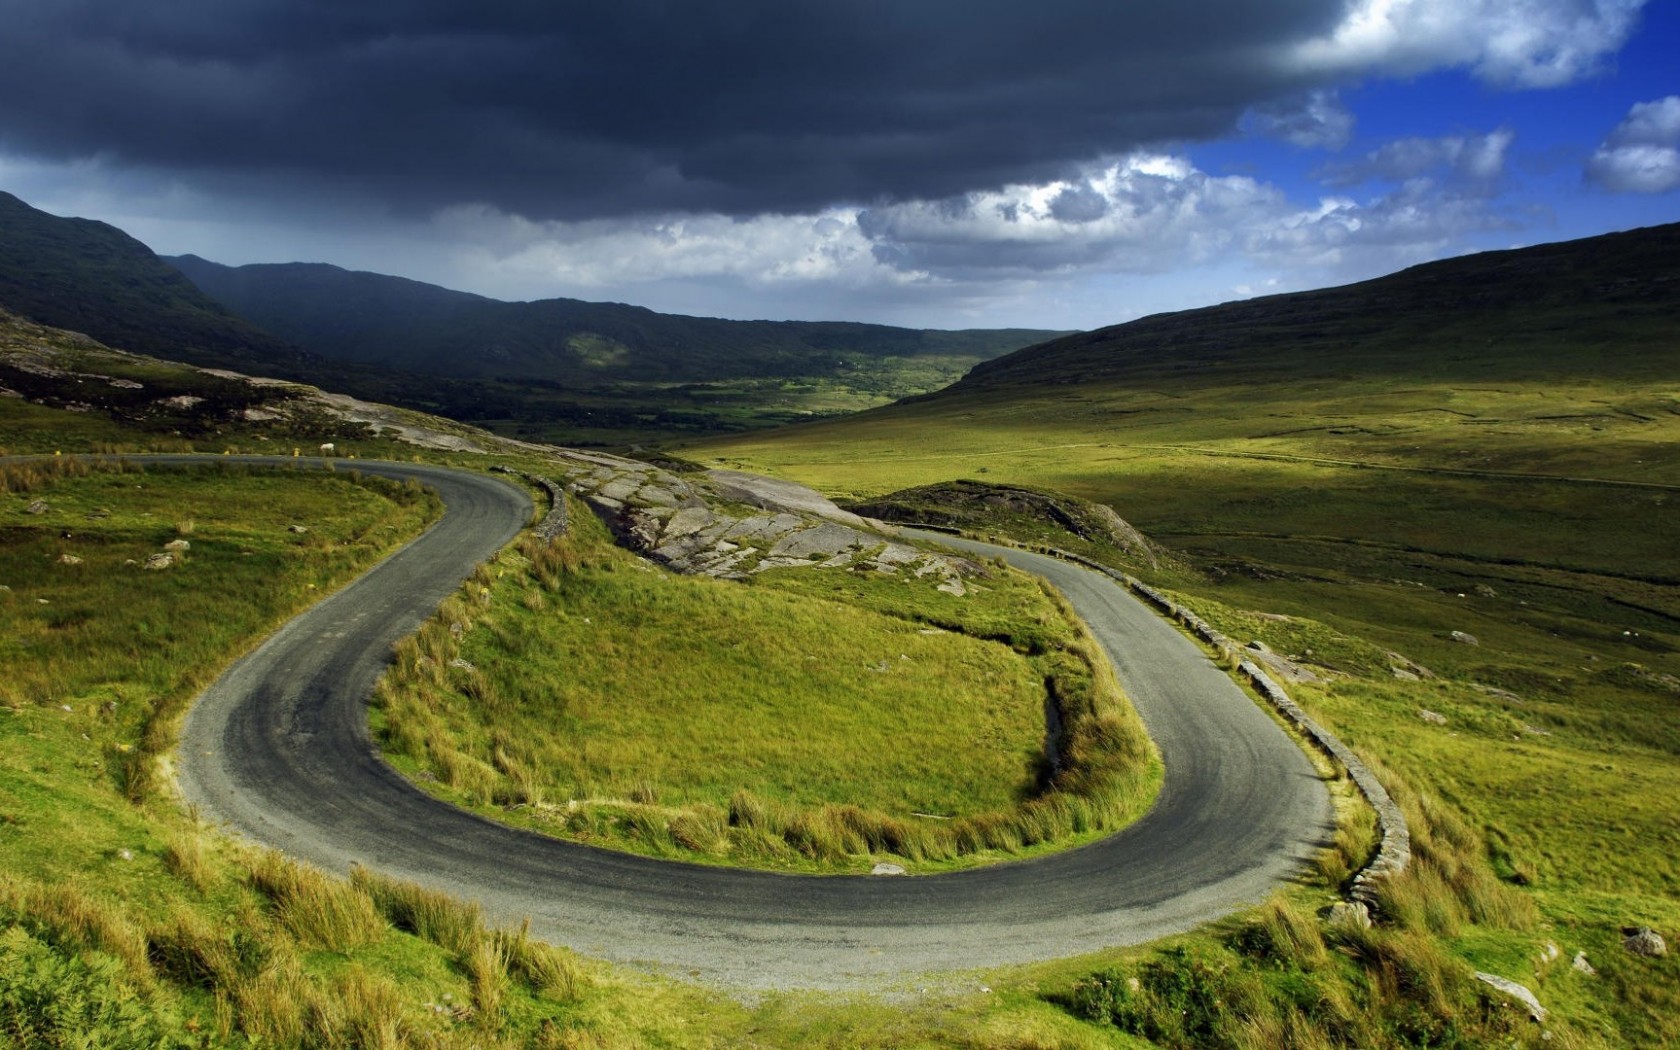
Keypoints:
pixel 934 163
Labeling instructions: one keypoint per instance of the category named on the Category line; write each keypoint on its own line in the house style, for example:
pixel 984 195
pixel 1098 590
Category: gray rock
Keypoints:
pixel 1403 674
pixel 620 489
pixel 1464 639
pixel 177 545
pixel 159 561
pixel 1581 964
pixel 825 540
pixel 69 559
pixel 1349 914
pixel 686 521
pixel 887 869
pixel 37 507
pixel 297 529
pixel 1515 991
pixel 1642 940
pixel 656 496
pixel 1434 718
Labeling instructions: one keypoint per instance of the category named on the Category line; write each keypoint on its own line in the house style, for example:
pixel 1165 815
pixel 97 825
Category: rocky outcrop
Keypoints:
pixel 731 525
pixel 979 505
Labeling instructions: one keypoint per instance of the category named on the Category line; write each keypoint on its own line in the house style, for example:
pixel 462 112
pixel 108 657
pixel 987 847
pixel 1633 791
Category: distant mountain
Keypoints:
pixel 414 327
pixel 93 278
pixel 1602 306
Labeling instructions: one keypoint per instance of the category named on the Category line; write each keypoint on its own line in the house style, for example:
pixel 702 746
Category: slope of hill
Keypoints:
pixel 1612 299
pixel 93 278
pixel 416 327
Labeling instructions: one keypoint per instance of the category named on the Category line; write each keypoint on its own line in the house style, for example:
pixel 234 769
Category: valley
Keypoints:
pixel 1463 563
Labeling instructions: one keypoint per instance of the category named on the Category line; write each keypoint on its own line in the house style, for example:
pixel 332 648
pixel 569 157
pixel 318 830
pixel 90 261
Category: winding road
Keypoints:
pixel 278 749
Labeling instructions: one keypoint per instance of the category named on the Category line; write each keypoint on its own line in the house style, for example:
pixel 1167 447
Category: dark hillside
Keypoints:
pixel 397 323
pixel 91 277
pixel 1575 308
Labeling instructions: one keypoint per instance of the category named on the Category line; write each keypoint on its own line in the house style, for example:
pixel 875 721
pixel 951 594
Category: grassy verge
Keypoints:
pixel 812 720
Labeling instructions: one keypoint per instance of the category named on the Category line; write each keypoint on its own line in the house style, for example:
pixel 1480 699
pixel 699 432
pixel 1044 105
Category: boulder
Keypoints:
pixel 1515 991
pixel 1642 940
pixel 1434 718
pixel 159 561
pixel 1349 914
pixel 177 545
pixel 887 869
pixel 1581 964
pixel 1464 638
pixel 69 559
pixel 37 507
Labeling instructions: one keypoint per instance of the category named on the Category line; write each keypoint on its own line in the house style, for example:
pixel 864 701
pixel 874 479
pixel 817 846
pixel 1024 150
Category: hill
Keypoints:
pixel 1611 298
pixel 93 278
pixel 558 370
pixel 408 325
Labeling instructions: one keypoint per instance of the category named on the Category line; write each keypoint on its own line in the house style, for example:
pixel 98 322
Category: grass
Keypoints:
pixel 813 720
pixel 122 923
pixel 1354 520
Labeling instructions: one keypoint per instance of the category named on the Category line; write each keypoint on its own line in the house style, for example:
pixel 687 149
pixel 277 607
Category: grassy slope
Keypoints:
pixel 1377 507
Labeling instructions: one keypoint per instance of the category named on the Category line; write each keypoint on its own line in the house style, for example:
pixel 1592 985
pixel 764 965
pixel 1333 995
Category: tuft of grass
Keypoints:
pixel 452 925
pixel 184 857
pixel 317 908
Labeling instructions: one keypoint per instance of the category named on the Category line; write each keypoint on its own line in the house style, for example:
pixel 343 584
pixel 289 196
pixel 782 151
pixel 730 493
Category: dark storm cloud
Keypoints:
pixel 567 110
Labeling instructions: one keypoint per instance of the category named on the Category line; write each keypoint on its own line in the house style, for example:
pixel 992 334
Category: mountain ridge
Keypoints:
pixel 379 319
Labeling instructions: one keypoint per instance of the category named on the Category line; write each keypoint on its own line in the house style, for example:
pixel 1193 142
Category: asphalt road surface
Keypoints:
pixel 278 750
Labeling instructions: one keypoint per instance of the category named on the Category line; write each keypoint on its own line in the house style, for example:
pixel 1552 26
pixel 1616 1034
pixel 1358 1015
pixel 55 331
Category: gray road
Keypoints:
pixel 278 749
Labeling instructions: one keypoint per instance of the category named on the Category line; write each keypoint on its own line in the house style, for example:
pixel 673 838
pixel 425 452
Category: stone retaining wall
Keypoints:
pixel 554 523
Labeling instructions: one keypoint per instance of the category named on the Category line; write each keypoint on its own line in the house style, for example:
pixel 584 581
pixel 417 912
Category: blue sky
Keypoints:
pixel 938 164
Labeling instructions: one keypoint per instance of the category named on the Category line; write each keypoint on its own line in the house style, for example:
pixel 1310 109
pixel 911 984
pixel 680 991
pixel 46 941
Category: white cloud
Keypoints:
pixel 1642 153
pixel 764 251
pixel 1144 213
pixel 1510 43
pixel 1475 163
pixel 1143 216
